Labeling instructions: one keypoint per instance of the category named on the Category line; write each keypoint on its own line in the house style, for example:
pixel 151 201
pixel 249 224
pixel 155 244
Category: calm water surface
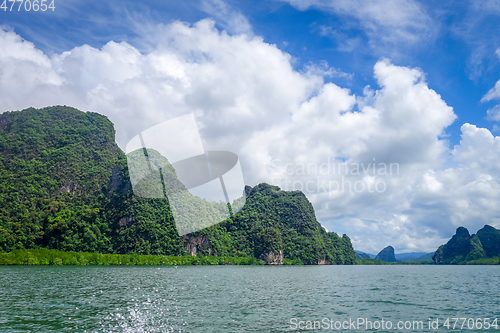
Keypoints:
pixel 241 298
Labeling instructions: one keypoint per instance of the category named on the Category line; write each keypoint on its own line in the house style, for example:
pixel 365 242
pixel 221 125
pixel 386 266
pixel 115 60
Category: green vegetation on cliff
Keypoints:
pixel 463 248
pixel 362 255
pixel 274 222
pixel 65 185
pixel 490 240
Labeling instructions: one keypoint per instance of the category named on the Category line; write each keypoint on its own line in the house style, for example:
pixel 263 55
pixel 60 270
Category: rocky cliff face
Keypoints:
pixel 277 224
pixel 195 244
pixel 455 250
pixel 272 258
pixel 324 262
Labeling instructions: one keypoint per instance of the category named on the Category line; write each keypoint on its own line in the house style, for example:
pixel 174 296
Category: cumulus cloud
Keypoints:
pixel 387 144
pixel 468 192
pixel 438 201
pixel 372 164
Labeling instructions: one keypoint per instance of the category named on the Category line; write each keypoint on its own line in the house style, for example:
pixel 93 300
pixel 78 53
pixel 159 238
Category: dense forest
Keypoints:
pixel 273 222
pixel 65 185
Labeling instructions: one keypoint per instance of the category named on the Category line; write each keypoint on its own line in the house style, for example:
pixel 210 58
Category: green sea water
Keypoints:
pixel 247 298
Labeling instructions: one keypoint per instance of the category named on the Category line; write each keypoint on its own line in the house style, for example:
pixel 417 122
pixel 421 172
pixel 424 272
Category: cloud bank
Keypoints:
pixel 289 127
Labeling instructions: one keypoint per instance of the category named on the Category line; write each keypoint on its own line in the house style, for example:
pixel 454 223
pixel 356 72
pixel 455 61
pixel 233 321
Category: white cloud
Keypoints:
pixel 479 149
pixel 25 71
pixel 231 19
pixel 493 113
pixel 390 13
pixel 386 21
pixel 345 43
pixel 441 200
pixel 477 27
pixel 247 98
pixel 493 93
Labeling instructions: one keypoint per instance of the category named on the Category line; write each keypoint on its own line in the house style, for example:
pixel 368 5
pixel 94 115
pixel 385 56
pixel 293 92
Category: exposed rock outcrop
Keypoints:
pixel 70 187
pixel 196 244
pixel 272 258
pixel 125 221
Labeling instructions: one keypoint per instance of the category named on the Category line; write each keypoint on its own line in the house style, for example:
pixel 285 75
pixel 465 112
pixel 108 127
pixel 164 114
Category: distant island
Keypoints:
pixel 405 256
pixel 464 248
pixel 387 254
pixel 482 248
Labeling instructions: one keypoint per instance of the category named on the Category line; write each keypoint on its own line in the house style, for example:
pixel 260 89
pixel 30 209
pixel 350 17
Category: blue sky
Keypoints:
pixel 286 81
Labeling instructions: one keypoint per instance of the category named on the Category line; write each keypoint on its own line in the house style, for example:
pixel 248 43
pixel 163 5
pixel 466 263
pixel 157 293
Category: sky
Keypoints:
pixel 384 113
